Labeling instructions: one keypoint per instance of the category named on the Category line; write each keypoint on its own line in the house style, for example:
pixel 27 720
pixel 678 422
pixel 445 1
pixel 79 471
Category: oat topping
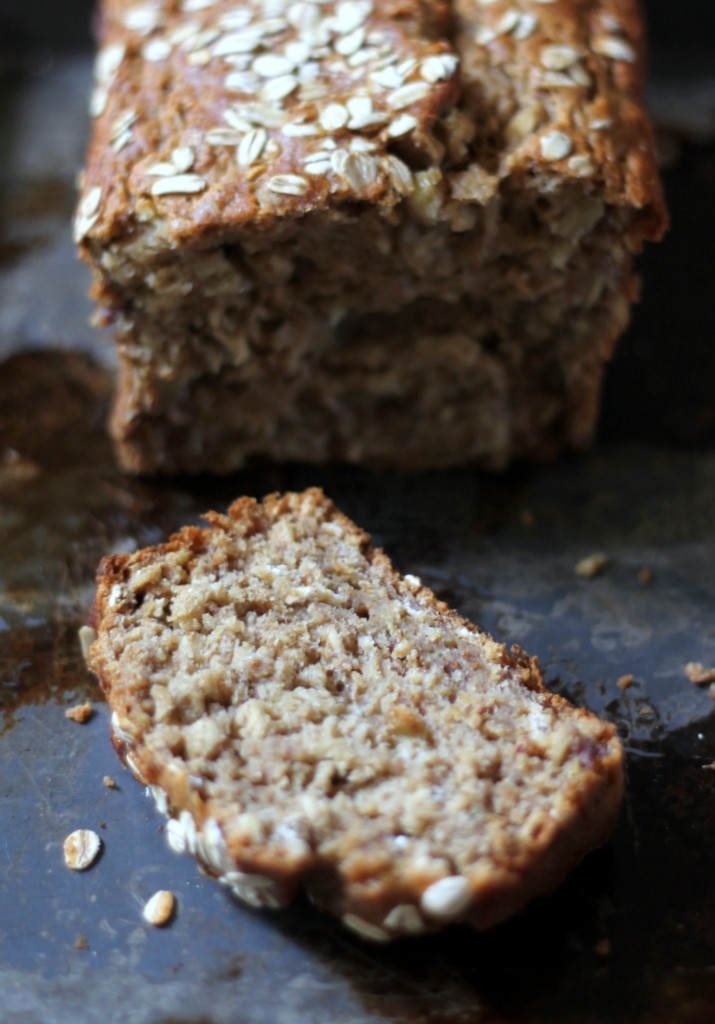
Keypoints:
pixel 408 94
pixel 159 909
pixel 288 184
pixel 511 21
pixel 106 66
pixel 251 146
pixel 526 24
pixel 365 929
pixel 615 48
pixel 299 69
pixel 310 70
pixel 558 58
pixel 156 50
pixel 182 160
pixel 87 213
pixel 401 125
pixel 333 117
pixel 581 165
pixel 142 19
pixel 86 636
pixel 447 898
pixel 178 184
pixel 121 131
pixel 555 145
pixel 81 849
pixel 399 173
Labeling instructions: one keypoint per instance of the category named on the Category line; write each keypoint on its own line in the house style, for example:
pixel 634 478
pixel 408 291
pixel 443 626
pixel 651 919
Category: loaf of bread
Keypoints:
pixel 305 715
pixel 394 232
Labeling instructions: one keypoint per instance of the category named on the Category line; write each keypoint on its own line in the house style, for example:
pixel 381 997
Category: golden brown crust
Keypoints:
pixel 353 873
pixel 165 82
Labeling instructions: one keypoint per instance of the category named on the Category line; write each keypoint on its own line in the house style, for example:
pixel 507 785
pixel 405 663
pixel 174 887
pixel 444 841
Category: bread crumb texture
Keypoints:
pixel 306 715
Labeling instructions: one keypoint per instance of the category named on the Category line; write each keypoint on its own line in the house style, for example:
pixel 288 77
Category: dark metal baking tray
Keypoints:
pixel 630 937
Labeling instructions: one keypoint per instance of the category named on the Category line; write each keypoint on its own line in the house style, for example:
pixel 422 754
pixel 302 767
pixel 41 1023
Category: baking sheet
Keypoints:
pixel 630 936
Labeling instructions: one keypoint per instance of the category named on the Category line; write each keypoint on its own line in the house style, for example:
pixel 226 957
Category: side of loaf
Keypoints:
pixel 306 716
pixel 389 233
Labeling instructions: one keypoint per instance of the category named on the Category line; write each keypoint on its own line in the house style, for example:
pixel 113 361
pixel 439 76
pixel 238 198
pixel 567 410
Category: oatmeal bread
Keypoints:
pixel 395 233
pixel 307 716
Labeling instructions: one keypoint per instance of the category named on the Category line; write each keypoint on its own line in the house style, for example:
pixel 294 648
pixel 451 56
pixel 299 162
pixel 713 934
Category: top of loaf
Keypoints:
pixel 213 115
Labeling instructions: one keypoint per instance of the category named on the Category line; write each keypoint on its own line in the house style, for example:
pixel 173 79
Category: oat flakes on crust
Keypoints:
pixel 306 716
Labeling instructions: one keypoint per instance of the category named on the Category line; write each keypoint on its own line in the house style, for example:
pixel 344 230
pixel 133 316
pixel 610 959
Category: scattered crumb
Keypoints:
pixel 81 941
pixel 102 824
pixel 87 636
pixel 159 909
pixel 592 565
pixel 645 575
pixel 646 711
pixel 697 673
pixel 81 849
pixel 80 712
pixel 624 682
pixel 109 782
pixel 602 947
pixel 527 518
pixel 711 690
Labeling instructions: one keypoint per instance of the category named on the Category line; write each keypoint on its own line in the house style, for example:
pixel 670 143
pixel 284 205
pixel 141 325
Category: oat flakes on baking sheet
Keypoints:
pixel 159 909
pixel 81 849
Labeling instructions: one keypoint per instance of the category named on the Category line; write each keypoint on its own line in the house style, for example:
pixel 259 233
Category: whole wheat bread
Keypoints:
pixel 367 231
pixel 306 715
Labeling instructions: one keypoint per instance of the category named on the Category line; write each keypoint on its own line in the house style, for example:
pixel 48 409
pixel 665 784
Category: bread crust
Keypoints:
pixel 604 118
pixel 360 883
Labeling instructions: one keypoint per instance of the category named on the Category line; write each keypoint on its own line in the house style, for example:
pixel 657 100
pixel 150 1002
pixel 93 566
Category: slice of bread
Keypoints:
pixel 306 715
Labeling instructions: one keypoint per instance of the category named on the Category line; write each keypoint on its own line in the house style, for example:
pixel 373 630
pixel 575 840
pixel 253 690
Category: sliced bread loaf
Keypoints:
pixel 306 715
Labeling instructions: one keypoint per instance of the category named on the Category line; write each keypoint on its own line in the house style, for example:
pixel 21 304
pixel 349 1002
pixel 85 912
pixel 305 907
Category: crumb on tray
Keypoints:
pixel 592 565
pixel 79 712
pixel 697 673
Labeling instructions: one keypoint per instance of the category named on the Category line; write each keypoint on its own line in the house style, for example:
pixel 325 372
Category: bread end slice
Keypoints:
pixel 306 716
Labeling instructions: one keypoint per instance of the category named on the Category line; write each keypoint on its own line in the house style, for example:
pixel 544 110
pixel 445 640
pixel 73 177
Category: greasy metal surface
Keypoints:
pixel 501 550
